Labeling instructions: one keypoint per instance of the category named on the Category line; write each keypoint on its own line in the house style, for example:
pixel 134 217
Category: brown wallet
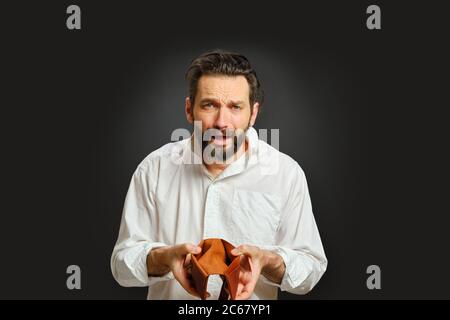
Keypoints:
pixel 216 258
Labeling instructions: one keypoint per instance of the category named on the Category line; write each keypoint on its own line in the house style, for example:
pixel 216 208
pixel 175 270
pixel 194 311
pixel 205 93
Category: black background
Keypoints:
pixel 363 112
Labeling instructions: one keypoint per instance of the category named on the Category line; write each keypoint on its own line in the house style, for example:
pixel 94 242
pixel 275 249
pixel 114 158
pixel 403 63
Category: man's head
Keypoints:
pixel 224 94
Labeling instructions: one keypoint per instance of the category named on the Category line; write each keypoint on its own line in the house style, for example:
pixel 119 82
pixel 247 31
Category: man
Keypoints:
pixel 242 190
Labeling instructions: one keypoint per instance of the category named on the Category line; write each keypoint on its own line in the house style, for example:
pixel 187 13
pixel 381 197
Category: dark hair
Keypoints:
pixel 224 63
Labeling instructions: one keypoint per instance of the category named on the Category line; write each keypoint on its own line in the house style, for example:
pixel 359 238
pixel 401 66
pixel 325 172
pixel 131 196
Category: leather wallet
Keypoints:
pixel 216 258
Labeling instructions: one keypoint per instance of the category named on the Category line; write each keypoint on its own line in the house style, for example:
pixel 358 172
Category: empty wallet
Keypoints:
pixel 216 258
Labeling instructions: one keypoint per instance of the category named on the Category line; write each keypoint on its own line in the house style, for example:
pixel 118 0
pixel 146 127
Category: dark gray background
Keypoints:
pixel 361 111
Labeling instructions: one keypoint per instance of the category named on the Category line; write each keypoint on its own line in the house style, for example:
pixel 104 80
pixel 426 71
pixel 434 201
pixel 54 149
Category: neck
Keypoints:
pixel 216 168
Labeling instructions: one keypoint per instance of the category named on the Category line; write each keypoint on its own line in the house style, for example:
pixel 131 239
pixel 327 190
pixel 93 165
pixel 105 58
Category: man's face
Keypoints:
pixel 222 103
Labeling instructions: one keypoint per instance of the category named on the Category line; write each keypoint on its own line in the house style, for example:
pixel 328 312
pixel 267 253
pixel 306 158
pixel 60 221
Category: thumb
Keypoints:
pixel 236 252
pixel 191 248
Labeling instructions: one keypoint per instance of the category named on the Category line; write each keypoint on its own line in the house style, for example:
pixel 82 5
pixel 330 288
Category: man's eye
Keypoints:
pixel 208 105
pixel 236 107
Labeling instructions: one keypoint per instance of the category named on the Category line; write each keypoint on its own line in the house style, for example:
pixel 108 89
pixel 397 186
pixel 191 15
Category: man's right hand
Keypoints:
pixel 176 259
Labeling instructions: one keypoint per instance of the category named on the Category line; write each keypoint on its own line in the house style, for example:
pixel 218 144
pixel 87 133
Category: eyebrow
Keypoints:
pixel 207 100
pixel 236 102
pixel 204 100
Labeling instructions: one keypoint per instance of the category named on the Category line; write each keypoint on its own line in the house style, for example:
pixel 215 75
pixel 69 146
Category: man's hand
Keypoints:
pixel 176 259
pixel 254 262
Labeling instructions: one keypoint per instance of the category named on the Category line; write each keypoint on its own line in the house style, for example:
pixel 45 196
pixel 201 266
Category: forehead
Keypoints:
pixel 223 87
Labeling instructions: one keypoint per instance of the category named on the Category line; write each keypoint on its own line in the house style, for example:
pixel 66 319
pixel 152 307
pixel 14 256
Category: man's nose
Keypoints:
pixel 221 121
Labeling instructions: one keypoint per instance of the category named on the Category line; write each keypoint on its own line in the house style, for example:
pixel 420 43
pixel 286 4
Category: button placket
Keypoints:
pixel 210 212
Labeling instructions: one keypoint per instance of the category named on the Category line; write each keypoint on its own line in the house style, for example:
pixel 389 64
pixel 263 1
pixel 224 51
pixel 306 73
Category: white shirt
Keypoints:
pixel 260 199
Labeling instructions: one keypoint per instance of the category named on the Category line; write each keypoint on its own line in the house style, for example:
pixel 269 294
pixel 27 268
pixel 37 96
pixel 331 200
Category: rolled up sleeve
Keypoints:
pixel 135 239
pixel 298 241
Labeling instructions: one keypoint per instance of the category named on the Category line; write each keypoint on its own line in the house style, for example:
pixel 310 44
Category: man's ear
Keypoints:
pixel 188 108
pixel 254 114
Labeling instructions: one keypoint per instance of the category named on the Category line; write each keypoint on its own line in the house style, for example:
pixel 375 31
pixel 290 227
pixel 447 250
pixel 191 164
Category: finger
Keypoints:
pixel 187 260
pixel 186 284
pixel 244 250
pixel 250 263
pixel 246 290
pixel 243 295
pixel 186 248
pixel 236 252
pixel 246 264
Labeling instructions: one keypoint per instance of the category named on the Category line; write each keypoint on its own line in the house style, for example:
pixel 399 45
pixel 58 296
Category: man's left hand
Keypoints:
pixel 255 261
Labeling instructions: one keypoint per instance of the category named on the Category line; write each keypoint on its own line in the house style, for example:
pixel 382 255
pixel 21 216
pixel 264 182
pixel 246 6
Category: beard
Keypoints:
pixel 213 153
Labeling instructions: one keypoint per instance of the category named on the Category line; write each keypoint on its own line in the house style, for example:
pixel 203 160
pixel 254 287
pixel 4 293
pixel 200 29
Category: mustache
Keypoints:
pixel 210 133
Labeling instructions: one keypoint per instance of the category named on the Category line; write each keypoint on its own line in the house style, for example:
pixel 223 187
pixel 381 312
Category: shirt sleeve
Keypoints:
pixel 136 233
pixel 298 241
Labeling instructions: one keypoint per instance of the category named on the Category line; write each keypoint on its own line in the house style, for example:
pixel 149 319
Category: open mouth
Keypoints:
pixel 221 140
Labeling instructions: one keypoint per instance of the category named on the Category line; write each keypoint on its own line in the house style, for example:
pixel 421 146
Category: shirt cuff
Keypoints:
pixel 152 280
pixel 286 282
